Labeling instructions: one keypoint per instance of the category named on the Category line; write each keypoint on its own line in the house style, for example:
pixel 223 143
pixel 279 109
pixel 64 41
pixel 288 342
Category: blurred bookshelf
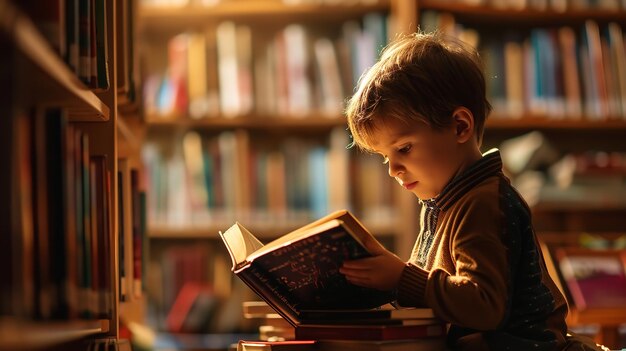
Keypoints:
pixel 254 90
pixel 496 123
pixel 277 155
pixel 60 107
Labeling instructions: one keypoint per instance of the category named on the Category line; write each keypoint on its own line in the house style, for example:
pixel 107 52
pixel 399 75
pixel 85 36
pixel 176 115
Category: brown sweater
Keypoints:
pixel 478 265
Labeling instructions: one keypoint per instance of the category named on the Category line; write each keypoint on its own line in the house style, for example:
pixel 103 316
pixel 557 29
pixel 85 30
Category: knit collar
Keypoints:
pixel 489 165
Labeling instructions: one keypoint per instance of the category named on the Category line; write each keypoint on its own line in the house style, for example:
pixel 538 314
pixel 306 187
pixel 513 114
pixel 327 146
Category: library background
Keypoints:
pixel 134 131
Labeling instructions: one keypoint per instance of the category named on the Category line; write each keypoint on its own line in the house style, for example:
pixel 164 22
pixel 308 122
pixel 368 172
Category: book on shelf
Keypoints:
pixel 100 75
pixel 101 232
pixel 132 232
pixel 16 217
pixel 193 309
pixel 595 279
pixel 137 234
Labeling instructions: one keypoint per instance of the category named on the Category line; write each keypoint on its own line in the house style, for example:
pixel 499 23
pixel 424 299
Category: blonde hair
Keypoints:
pixel 419 78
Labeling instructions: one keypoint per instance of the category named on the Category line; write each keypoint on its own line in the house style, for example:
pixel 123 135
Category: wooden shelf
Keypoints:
pixel 573 207
pixel 262 230
pixel 321 122
pixel 250 10
pixel 44 79
pixel 128 141
pixel 250 122
pixel 22 335
pixel 483 14
pixel 495 122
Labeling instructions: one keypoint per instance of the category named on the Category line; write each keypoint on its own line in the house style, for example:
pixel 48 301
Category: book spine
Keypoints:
pixel 84 41
pixel 102 65
pixel 136 233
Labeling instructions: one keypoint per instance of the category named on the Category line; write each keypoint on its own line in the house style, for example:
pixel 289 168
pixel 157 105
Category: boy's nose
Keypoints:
pixel 395 169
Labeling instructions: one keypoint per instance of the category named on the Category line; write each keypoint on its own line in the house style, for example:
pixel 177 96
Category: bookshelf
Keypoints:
pixel 53 83
pixel 527 16
pixel 59 201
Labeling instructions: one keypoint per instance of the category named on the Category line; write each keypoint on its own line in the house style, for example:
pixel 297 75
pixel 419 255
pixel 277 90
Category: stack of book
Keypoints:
pixel 307 301
pixel 272 327
pixel 383 328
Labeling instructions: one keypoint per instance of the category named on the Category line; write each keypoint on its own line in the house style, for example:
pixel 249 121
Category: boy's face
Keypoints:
pixel 421 159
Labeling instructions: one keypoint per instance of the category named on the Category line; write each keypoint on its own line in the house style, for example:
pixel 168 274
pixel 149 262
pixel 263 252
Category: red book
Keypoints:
pixel 182 316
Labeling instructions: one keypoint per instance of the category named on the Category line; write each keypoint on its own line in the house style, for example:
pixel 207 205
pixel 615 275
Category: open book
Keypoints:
pixel 300 270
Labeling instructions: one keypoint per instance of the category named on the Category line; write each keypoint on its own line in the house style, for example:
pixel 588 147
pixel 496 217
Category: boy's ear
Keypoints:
pixel 464 124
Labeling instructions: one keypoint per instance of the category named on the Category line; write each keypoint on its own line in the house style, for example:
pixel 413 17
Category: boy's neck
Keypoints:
pixel 470 155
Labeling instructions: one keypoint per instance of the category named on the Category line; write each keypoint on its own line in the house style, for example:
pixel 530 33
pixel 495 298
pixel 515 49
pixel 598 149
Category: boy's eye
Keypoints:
pixel 405 149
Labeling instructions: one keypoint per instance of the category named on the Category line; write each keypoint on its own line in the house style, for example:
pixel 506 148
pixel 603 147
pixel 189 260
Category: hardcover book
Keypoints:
pixel 383 315
pixel 300 270
pixel 428 344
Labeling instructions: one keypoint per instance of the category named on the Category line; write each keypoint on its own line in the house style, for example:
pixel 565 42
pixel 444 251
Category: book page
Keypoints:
pixel 240 243
pixel 355 228
pixel 289 238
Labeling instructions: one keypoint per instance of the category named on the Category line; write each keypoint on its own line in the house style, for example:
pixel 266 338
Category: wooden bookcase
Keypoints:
pixel 39 231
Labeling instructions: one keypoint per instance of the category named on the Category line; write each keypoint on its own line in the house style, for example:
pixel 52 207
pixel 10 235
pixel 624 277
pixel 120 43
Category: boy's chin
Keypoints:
pixel 419 196
pixel 423 196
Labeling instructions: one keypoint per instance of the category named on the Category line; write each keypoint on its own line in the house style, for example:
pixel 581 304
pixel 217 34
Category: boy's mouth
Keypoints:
pixel 409 186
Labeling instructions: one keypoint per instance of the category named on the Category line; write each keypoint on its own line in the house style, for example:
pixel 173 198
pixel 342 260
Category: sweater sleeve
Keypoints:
pixel 412 286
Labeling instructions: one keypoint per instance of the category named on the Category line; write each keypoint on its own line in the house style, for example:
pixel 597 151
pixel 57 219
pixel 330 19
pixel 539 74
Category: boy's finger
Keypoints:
pixel 364 263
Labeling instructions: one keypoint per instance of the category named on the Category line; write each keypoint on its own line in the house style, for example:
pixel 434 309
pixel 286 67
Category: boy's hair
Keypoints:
pixel 419 78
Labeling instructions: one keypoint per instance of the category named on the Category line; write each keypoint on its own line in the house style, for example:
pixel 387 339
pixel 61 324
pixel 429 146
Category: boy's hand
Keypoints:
pixel 382 271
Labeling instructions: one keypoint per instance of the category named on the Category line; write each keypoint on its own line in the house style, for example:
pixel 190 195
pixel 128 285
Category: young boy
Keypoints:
pixel 476 261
